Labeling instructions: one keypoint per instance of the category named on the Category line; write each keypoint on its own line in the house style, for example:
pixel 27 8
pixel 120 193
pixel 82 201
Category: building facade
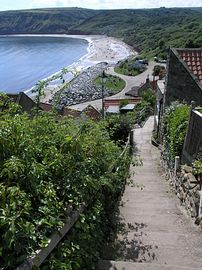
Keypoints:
pixel 184 77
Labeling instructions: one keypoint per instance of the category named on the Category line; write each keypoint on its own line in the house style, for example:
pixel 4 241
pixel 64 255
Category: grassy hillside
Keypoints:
pixel 152 31
pixel 54 20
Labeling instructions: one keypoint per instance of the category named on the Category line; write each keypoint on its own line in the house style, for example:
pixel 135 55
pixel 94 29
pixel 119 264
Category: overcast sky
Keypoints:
pixel 97 4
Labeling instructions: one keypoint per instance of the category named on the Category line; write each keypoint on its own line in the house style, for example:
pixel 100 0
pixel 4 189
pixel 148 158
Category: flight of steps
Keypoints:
pixel 157 234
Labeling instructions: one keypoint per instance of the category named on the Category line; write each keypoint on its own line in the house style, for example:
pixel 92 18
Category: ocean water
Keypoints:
pixel 25 60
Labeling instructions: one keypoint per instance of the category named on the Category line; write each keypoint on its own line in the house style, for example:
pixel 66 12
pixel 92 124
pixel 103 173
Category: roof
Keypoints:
pixel 133 92
pixel 113 109
pixel 128 107
pixel 26 103
pixel 116 101
pixel 46 106
pixel 70 112
pixel 193 60
pixel 91 112
pixel 136 91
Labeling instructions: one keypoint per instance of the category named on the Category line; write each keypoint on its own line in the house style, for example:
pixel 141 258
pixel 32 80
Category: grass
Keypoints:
pixel 125 71
pixel 113 83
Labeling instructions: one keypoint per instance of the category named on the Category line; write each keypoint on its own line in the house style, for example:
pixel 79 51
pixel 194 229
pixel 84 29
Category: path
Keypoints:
pixel 130 82
pixel 158 233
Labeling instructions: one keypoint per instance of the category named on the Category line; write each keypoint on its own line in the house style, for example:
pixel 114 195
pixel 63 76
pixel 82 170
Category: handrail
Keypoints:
pixel 42 254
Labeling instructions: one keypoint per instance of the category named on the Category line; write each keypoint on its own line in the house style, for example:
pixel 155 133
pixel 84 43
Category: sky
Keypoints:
pixel 97 4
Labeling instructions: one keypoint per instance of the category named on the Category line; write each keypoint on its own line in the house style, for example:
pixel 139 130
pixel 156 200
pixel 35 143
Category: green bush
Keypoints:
pixel 49 166
pixel 175 128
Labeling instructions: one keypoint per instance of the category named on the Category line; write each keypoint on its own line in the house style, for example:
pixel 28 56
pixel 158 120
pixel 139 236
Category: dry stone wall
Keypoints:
pixel 185 186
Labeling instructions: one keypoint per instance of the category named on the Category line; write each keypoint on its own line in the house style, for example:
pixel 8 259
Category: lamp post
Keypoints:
pixel 103 80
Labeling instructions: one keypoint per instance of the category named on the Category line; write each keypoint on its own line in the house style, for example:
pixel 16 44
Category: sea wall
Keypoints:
pixel 83 88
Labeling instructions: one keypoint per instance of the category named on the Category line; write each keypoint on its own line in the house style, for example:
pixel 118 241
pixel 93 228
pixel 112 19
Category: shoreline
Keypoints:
pixel 100 48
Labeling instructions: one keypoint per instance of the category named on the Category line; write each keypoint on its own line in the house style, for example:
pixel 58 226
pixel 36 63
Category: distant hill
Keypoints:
pixel 152 31
pixel 53 20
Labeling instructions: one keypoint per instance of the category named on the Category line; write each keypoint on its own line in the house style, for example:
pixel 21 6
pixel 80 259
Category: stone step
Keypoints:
pixel 121 265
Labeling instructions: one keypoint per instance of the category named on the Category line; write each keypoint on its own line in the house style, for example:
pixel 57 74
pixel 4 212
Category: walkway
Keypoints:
pixel 130 82
pixel 158 235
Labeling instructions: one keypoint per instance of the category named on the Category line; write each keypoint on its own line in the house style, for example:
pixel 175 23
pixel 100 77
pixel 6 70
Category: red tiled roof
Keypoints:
pixel 193 59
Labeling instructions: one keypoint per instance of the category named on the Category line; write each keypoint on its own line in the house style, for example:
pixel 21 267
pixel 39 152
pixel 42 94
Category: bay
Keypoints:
pixel 24 60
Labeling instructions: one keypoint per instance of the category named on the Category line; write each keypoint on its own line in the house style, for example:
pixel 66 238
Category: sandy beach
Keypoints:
pixel 106 49
pixel 100 49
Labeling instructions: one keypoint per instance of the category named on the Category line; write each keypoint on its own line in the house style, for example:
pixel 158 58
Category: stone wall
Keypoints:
pixel 180 83
pixel 183 185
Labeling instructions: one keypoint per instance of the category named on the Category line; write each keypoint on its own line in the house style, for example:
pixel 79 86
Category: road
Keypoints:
pixel 130 82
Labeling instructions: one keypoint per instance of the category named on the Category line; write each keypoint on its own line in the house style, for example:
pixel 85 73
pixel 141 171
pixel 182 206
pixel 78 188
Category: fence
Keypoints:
pixel 40 256
pixel 193 141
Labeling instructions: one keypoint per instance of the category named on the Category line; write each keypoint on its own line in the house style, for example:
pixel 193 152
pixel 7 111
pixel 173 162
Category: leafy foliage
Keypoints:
pixel 48 167
pixel 176 123
pixel 119 126
pixel 197 166
pixel 151 31
pixel 148 97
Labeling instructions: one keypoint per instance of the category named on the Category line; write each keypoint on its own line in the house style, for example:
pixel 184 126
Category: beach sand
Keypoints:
pixel 101 49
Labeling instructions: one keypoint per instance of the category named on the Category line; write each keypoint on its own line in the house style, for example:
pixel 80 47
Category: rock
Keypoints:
pixel 187 169
pixel 191 180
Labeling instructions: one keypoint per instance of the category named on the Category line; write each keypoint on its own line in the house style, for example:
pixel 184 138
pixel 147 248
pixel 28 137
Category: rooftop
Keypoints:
pixel 112 109
pixel 128 107
pixel 193 59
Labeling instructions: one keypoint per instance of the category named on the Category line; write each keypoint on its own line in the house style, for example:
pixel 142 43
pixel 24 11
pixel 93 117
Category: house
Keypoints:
pixel 88 112
pixel 184 77
pixel 117 105
pixel 183 83
pixel 27 104
pixel 136 91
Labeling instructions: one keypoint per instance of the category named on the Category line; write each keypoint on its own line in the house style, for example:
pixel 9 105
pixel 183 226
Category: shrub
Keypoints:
pixel 47 168
pixel 175 128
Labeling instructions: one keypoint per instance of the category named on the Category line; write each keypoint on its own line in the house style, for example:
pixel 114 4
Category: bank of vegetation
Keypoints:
pixel 150 31
pixel 49 167
pixel 176 121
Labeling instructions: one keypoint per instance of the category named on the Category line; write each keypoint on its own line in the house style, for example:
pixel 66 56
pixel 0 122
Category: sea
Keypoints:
pixel 24 60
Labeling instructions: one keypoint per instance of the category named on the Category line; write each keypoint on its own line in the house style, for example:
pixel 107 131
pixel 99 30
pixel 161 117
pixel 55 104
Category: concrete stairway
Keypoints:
pixel 121 265
pixel 156 233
